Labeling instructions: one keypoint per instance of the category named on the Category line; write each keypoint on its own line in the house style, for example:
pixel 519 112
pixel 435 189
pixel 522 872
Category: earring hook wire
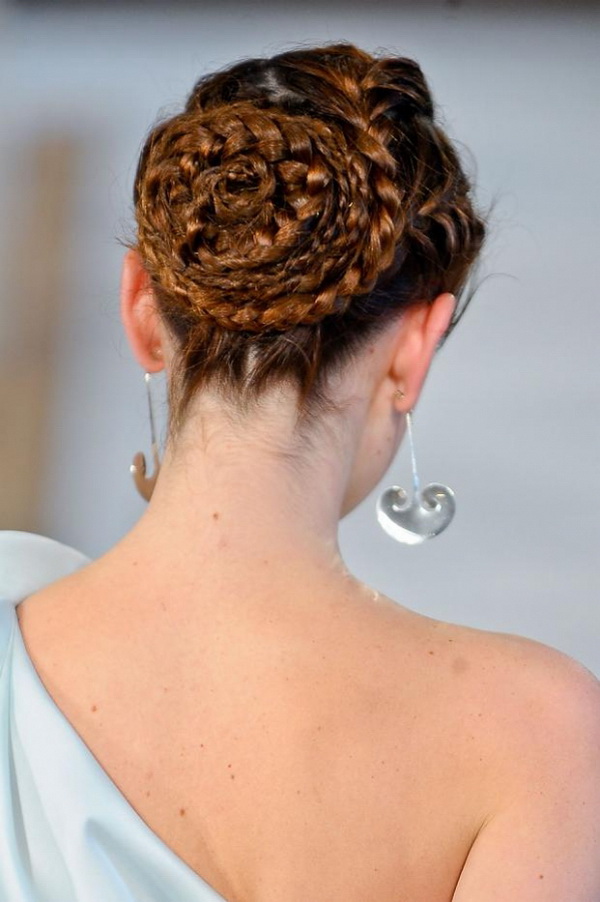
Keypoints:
pixel 413 459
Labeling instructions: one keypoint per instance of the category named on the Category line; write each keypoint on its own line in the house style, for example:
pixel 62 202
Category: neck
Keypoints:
pixel 238 517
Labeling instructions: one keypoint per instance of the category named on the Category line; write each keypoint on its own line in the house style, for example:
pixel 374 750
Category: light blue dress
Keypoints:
pixel 67 833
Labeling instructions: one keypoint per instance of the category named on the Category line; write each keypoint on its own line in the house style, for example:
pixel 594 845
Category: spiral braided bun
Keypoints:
pixel 260 219
pixel 314 187
pixel 263 217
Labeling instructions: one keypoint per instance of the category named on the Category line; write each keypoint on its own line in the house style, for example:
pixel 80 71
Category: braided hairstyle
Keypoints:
pixel 293 207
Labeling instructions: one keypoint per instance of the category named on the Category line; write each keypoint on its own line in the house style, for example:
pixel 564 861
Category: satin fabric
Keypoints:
pixel 67 833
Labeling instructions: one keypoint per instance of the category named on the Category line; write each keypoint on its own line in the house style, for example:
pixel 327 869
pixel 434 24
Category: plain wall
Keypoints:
pixel 509 415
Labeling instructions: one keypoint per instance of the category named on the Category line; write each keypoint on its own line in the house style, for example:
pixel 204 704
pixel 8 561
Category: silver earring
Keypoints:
pixel 411 520
pixel 145 484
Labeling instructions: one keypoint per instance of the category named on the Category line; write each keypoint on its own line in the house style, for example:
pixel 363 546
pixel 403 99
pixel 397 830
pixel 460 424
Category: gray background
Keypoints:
pixel 509 416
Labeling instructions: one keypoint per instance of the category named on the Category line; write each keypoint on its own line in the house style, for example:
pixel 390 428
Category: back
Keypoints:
pixel 354 755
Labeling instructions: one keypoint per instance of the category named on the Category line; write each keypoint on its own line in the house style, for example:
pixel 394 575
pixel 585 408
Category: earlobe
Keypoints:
pixel 139 314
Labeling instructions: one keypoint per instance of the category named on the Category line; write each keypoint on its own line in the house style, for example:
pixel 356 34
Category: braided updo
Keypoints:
pixel 292 207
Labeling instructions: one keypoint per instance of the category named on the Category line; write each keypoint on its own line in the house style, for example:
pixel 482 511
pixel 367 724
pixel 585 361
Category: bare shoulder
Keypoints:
pixel 540 837
pixel 517 665
pixel 538 682
pixel 536 689
pixel 514 672
pixel 509 698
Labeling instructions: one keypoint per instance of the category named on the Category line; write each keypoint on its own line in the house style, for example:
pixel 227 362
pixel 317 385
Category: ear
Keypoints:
pixel 140 315
pixel 422 328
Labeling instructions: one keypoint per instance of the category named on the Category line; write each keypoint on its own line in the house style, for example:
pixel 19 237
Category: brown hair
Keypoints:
pixel 293 207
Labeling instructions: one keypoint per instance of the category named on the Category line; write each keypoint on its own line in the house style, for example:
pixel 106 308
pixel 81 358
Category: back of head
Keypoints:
pixel 293 208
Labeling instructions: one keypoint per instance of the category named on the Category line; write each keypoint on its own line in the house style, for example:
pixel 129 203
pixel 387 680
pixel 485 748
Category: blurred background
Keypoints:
pixel 510 414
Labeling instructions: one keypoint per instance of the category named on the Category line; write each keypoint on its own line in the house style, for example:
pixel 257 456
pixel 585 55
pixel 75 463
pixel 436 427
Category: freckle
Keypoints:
pixel 215 515
pixel 94 707
pixel 541 877
pixel 201 745
pixel 165 688
pixel 229 765
pixel 232 776
pixel 163 606
pixel 182 811
pixel 430 652
pixel 147 792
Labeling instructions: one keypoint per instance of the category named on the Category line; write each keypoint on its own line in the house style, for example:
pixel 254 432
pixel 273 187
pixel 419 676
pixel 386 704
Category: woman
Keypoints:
pixel 216 709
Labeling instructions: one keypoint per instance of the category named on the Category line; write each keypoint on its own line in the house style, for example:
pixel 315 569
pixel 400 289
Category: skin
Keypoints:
pixel 424 761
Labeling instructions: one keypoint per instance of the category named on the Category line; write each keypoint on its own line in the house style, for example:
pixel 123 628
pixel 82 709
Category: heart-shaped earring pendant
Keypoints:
pixel 425 515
